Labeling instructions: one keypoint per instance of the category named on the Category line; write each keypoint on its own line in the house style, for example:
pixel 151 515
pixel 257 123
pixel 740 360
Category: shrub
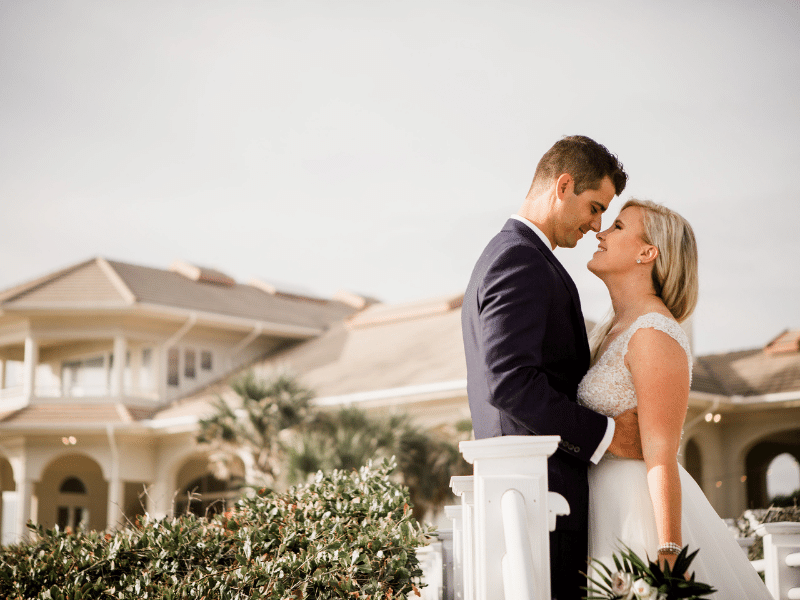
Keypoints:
pixel 346 535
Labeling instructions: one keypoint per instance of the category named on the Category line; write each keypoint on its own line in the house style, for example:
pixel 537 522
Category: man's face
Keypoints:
pixel 579 214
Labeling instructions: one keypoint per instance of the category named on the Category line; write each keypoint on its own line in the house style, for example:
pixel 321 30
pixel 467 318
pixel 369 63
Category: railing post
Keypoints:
pixel 501 464
pixel 781 559
pixel 454 567
pixel 464 487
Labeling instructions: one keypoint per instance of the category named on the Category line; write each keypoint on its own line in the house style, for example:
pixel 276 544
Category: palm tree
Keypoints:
pixel 268 410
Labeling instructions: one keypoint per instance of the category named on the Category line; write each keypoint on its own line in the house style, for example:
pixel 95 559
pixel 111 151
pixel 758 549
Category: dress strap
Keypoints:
pixel 660 322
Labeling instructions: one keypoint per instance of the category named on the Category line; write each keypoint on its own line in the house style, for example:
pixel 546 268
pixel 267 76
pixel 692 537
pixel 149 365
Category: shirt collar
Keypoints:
pixel 535 229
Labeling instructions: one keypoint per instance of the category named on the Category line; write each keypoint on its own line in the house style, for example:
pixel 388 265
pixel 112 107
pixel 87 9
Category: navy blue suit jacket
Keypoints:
pixel 526 350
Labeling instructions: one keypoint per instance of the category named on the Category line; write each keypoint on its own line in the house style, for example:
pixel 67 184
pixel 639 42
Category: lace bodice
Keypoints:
pixel 608 386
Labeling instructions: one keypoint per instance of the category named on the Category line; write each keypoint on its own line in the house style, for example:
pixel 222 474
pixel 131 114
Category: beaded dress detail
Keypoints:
pixel 608 386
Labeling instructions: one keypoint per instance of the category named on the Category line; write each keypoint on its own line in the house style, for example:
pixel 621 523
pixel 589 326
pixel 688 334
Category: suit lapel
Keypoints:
pixel 547 252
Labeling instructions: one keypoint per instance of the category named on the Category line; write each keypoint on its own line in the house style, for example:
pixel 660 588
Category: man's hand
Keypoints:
pixel 627 443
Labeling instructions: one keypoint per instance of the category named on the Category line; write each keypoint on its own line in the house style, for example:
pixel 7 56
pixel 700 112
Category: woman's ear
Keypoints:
pixel 648 254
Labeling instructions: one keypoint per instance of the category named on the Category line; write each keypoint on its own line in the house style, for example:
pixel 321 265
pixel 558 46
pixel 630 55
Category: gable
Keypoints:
pixel 87 284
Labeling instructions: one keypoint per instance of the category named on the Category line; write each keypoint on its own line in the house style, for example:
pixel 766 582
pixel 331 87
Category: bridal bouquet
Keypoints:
pixel 635 578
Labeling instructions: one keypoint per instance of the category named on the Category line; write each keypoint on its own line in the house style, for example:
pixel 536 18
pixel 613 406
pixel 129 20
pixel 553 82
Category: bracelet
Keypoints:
pixel 669 548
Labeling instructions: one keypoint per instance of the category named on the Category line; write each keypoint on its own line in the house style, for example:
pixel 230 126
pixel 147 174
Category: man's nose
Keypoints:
pixel 597 223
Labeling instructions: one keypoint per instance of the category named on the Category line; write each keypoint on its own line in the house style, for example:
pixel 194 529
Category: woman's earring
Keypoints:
pixel 638 261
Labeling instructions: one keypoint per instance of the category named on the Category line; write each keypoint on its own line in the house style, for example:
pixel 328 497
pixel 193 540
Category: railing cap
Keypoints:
pixel 509 446
pixel 462 483
pixel 780 528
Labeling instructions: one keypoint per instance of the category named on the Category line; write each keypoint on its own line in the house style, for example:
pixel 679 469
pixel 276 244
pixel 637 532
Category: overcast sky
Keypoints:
pixel 377 146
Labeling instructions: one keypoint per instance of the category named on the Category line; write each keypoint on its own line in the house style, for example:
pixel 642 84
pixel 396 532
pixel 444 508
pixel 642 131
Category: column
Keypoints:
pixel 25 512
pixel 29 368
pixel 159 498
pixel 114 514
pixel 118 368
pixel 114 511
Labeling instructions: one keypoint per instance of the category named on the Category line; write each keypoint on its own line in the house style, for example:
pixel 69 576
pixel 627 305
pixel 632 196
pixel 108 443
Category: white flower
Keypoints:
pixel 644 591
pixel 621 585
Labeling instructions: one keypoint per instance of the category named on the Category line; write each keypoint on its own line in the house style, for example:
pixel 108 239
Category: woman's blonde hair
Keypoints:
pixel 675 278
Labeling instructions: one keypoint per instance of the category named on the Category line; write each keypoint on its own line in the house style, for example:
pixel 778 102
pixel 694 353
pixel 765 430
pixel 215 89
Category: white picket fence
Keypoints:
pixel 499 545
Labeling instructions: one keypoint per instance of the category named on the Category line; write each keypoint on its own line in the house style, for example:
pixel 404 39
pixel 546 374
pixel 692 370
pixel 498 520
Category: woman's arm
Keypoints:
pixel 660 371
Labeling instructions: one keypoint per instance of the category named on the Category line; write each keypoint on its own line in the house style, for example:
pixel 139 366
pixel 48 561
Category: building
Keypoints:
pixel 95 359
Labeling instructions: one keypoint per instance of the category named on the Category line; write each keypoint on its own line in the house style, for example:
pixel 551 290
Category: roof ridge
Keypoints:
pixel 382 314
pixel 116 280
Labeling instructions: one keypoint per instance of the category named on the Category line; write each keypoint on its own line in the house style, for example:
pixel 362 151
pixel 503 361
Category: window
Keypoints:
pixel 172 367
pixel 86 377
pixel 205 360
pixel 12 374
pixel 189 364
pixel 146 378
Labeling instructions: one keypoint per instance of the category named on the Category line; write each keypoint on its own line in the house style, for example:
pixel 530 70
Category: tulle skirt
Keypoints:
pixel 621 512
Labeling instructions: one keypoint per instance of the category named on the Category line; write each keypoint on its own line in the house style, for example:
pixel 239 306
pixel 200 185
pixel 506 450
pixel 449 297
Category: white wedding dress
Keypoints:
pixel 620 509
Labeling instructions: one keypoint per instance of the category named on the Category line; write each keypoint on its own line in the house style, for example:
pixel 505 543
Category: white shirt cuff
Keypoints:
pixel 605 442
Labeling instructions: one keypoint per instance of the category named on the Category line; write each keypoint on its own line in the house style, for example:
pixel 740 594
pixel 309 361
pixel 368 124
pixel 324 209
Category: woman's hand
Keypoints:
pixel 669 559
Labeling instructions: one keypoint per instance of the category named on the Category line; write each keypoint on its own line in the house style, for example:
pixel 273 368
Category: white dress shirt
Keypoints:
pixel 606 441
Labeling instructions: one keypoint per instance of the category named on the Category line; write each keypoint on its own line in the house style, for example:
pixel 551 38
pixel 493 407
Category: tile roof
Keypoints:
pixel 102 283
pixel 747 372
pixel 167 288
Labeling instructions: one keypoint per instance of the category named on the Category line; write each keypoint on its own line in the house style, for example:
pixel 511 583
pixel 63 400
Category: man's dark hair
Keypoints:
pixel 587 161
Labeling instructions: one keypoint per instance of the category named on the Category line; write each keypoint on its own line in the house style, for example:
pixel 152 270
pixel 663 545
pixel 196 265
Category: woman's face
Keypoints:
pixel 621 244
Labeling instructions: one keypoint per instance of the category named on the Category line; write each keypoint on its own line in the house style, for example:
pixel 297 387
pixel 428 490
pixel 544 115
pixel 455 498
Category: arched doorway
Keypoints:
pixel 8 503
pixel 73 492
pixel 694 462
pixel 758 462
pixel 201 493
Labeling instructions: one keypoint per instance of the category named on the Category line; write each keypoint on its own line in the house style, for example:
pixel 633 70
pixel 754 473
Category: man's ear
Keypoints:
pixel 564 185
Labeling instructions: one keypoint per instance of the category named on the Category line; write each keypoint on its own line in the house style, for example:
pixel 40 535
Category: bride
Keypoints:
pixel 641 358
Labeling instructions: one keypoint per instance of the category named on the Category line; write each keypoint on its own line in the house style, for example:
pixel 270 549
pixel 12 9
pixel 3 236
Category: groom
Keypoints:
pixel 525 339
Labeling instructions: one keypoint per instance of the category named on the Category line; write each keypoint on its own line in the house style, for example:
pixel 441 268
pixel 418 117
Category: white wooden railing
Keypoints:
pixel 500 536
pixel 505 518
pixel 781 559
